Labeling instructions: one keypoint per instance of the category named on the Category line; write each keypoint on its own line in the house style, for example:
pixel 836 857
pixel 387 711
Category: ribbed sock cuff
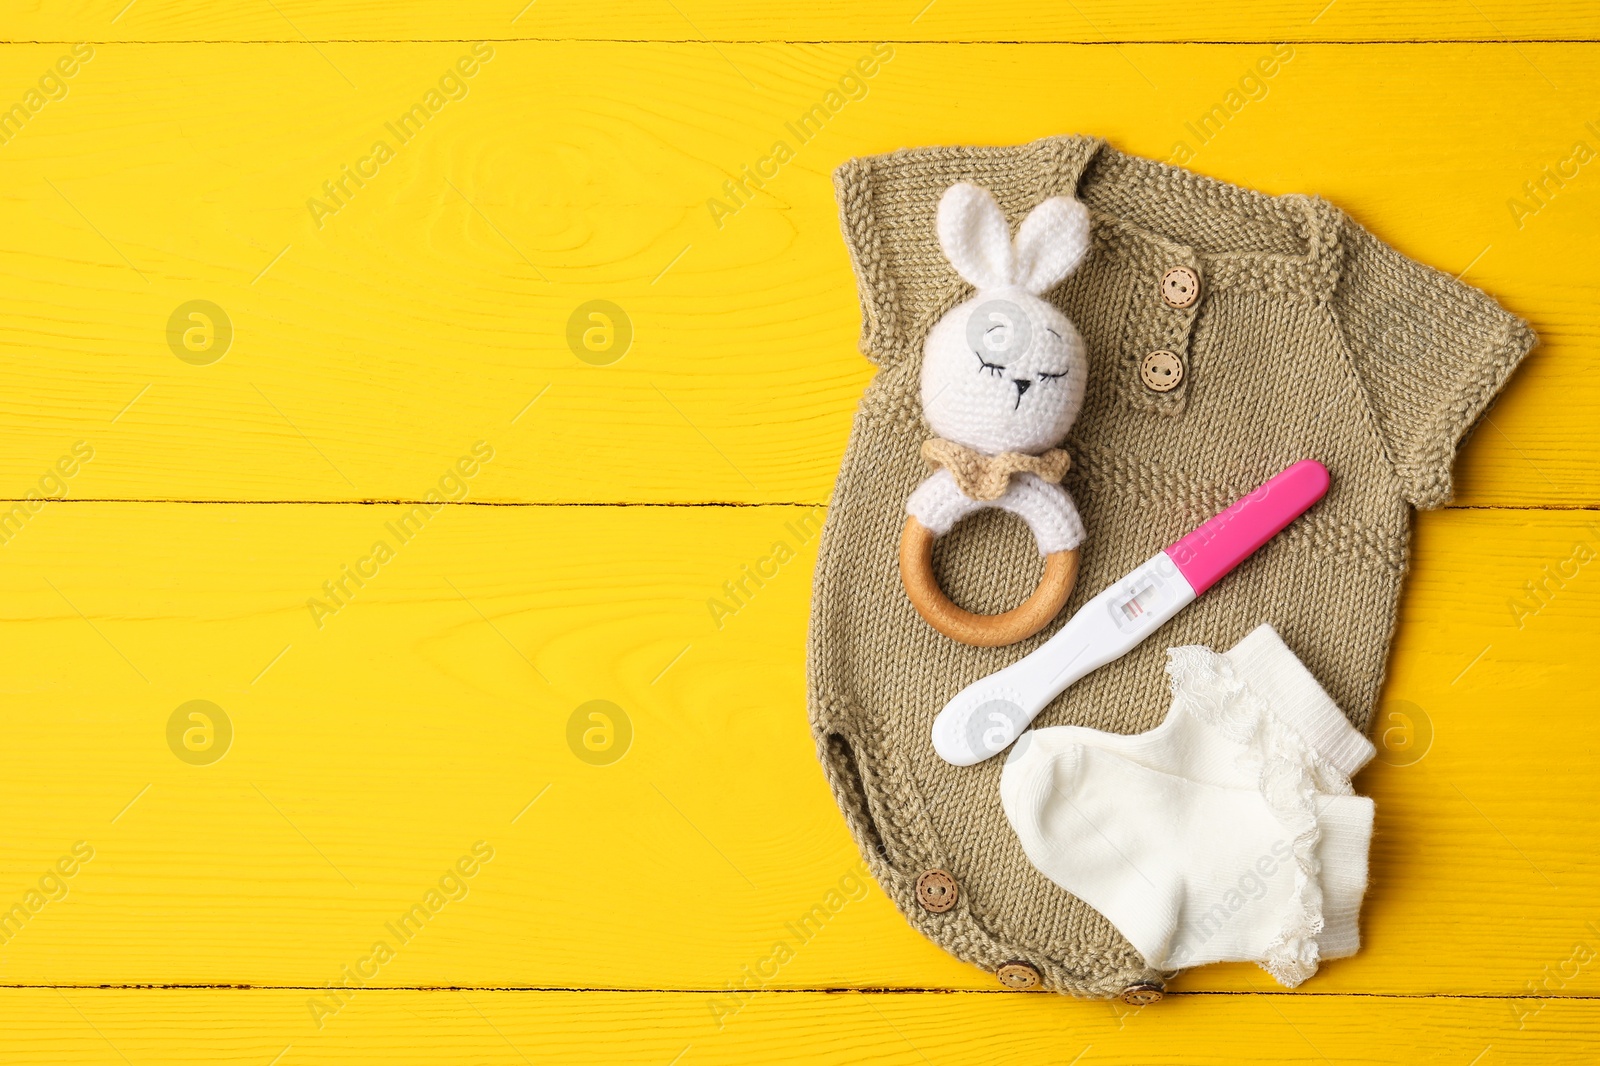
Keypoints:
pixel 1266 664
pixel 1346 824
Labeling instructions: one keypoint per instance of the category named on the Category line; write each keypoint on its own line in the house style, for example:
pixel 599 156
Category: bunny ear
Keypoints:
pixel 1051 243
pixel 975 237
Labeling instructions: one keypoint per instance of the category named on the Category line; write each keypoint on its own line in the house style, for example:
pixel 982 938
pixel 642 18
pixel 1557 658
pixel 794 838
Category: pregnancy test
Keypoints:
pixel 987 715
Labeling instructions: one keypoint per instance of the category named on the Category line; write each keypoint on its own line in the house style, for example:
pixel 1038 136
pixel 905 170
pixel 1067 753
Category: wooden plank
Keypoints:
pixel 432 309
pixel 425 715
pixel 218 1026
pixel 1010 20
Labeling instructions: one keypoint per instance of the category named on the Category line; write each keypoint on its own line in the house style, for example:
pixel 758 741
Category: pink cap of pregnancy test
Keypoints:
pixel 1205 556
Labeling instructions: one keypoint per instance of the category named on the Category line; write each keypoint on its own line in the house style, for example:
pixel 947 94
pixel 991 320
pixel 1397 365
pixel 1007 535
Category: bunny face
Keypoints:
pixel 1005 371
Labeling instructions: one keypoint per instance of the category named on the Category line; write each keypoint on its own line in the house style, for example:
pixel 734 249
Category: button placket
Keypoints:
pixel 1168 289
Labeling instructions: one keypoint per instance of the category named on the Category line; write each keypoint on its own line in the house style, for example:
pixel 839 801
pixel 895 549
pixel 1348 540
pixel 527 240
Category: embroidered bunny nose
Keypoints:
pixel 1022 385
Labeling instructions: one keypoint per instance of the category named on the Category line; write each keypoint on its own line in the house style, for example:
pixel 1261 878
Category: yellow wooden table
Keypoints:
pixel 287 281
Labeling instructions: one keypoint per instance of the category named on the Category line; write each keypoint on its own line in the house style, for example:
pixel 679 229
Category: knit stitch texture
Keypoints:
pixel 1310 339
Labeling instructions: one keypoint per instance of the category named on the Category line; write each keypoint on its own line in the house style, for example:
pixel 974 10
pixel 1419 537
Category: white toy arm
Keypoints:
pixel 1048 510
pixel 939 504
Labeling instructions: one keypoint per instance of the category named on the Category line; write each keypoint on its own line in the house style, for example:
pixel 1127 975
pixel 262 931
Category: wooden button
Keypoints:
pixel 1180 287
pixel 1142 995
pixel 1161 371
pixel 1018 975
pixel 936 891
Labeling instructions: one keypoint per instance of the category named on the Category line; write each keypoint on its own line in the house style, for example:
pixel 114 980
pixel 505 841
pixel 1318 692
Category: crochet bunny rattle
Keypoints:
pixel 1002 381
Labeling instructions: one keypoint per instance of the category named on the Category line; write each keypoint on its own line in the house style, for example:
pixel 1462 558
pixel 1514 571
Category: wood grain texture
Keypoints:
pixel 439 715
pixel 832 20
pixel 981 630
pixel 431 310
pixel 250 1028
pixel 430 710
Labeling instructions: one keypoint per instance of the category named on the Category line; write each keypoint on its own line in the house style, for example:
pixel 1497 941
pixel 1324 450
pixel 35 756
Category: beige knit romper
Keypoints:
pixel 1309 339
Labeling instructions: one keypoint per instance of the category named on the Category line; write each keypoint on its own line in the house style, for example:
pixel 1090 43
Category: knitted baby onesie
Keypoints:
pixel 1302 336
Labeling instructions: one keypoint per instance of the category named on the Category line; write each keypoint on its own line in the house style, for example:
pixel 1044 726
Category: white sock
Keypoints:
pixel 1252 717
pixel 1191 873
pixel 1231 711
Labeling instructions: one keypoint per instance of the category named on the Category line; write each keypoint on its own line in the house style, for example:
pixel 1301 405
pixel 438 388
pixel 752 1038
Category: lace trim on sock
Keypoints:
pixel 1289 773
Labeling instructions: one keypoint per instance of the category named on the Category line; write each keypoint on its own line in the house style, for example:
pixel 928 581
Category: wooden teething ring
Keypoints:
pixel 981 630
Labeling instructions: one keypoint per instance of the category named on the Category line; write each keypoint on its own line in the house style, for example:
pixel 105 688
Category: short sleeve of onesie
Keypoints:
pixel 1431 353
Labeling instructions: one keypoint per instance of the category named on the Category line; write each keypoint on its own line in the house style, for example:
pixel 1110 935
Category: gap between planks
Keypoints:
pixel 1507 508
pixel 908 41
pixel 818 990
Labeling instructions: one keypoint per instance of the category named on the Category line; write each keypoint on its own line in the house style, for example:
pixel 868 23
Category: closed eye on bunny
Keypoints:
pixel 999 369
pixel 984 364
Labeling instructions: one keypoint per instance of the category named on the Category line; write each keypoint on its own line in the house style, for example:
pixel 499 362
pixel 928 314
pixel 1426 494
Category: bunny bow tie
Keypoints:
pixel 986 477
